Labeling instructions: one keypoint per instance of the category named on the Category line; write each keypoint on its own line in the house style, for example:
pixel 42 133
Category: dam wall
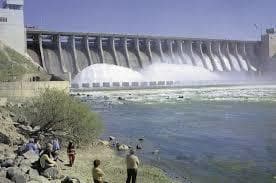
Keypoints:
pixel 62 52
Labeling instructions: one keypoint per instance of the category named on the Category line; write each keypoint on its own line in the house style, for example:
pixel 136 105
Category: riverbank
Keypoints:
pixel 113 166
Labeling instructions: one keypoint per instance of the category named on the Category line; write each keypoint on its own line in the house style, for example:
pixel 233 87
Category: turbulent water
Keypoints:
pixel 154 72
pixel 207 135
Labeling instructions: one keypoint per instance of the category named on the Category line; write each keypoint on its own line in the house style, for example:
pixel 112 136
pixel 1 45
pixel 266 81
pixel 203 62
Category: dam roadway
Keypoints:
pixel 62 52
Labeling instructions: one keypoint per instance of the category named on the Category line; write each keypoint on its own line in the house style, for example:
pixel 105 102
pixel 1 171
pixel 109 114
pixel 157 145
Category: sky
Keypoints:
pixel 222 19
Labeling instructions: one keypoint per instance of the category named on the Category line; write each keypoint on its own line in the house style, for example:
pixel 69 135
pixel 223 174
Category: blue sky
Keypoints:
pixel 231 19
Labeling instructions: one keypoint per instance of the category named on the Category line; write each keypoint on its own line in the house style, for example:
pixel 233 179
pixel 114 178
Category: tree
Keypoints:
pixel 57 112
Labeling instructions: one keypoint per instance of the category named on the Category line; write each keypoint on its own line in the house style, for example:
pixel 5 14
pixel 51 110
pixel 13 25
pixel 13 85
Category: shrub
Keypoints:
pixel 57 112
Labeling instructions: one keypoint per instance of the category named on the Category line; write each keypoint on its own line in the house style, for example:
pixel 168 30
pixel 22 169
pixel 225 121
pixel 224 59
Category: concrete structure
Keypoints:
pixel 19 90
pixel 61 52
pixel 12 31
pixel 269 43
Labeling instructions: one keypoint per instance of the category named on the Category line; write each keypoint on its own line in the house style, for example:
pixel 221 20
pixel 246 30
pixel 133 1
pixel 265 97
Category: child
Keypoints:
pixel 97 173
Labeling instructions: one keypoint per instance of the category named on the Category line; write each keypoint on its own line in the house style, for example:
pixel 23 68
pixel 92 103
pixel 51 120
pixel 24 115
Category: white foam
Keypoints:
pixel 155 72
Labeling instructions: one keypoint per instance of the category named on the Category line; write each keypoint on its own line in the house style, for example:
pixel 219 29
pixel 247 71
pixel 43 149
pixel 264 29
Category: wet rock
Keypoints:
pixel 138 146
pixel 111 138
pixel 123 147
pixel 121 98
pixel 156 152
pixel 141 139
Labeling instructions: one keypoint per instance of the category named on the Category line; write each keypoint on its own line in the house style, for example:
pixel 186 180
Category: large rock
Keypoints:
pixel 111 138
pixel 16 175
pixel 12 115
pixel 6 152
pixel 26 129
pixel 36 178
pixel 7 163
pixel 52 172
pixel 39 179
pixel 4 138
pixel 31 156
pixel 18 160
pixel 3 172
pixel 123 147
pixel 70 180
pixel 5 180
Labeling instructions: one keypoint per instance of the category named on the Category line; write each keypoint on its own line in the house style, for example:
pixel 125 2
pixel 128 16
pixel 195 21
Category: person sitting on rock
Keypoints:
pixel 37 146
pixel 71 151
pixel 56 146
pixel 97 173
pixel 30 146
pixel 46 160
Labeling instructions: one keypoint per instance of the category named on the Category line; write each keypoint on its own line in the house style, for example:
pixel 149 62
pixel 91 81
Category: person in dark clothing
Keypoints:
pixel 71 151
pixel 132 162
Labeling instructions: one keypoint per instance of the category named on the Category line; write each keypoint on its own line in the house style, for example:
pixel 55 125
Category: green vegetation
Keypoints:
pixel 13 66
pixel 57 112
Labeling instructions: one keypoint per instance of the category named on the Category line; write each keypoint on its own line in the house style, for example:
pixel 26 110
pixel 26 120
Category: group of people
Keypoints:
pixel 132 163
pixel 34 146
pixel 49 157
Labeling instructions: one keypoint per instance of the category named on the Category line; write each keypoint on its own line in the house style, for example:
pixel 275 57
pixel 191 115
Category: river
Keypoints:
pixel 206 135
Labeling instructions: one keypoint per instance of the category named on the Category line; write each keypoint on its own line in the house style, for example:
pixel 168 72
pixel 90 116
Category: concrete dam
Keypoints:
pixel 62 52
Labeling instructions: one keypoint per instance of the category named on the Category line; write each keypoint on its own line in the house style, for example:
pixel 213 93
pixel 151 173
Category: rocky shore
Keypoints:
pixel 21 168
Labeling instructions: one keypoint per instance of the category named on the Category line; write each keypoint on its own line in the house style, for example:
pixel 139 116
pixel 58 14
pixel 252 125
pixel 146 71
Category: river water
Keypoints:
pixel 205 135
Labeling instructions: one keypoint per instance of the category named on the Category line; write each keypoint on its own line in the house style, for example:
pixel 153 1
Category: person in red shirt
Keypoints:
pixel 71 151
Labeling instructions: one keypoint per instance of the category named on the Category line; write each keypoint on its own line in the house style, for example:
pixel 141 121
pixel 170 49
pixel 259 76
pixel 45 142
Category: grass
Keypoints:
pixel 13 66
pixel 113 166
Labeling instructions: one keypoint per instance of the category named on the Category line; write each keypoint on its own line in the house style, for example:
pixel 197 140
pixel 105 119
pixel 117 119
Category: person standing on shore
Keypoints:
pixel 71 151
pixel 97 173
pixel 132 162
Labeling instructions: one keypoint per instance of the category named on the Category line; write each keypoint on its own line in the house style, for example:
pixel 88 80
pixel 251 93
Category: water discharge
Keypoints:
pixel 154 72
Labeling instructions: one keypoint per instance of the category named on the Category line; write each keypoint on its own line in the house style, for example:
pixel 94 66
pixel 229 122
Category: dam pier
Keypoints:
pixel 62 52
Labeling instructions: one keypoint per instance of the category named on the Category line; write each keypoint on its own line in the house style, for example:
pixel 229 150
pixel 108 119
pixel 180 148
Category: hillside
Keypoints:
pixel 16 67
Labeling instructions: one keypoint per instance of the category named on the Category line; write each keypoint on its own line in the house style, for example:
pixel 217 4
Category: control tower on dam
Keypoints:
pixel 62 52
